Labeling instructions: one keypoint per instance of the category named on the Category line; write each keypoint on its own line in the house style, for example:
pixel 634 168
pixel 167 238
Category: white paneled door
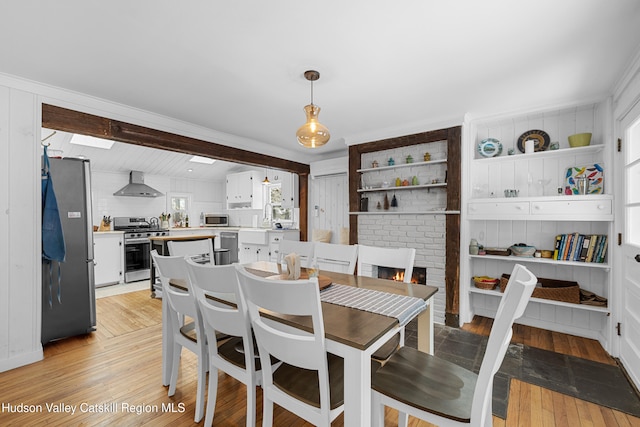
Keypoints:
pixel 630 249
pixel 329 206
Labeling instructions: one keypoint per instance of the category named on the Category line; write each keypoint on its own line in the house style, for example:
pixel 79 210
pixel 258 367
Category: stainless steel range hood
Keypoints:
pixel 137 188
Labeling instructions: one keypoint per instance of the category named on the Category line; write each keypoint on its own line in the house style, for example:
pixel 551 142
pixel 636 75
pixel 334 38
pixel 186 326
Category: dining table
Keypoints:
pixel 351 333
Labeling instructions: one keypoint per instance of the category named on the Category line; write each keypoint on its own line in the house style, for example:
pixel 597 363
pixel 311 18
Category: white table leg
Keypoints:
pixel 357 386
pixel 425 330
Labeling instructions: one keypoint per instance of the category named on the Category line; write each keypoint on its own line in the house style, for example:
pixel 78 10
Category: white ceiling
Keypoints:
pixel 387 68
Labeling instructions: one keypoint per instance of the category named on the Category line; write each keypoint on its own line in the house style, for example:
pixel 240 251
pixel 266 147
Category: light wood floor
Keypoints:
pixel 119 365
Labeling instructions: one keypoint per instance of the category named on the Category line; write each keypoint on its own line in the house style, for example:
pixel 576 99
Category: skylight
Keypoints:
pixel 200 159
pixel 90 141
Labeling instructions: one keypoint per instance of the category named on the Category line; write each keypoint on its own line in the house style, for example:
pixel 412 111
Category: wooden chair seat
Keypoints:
pixel 302 384
pixel 438 391
pixel 387 349
pixel 415 378
pixel 189 332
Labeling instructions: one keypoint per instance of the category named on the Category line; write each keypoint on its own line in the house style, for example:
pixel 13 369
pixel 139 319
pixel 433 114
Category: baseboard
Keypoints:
pixel 21 360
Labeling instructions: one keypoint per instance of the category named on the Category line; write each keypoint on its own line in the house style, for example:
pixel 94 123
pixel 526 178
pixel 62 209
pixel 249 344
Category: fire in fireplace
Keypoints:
pixel 419 275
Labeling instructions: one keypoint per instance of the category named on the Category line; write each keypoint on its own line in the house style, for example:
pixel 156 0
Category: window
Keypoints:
pixel 179 209
pixel 274 197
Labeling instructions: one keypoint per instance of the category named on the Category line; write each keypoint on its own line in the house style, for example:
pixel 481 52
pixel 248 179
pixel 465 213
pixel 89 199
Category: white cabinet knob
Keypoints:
pixel 601 207
pixel 519 208
pixel 537 207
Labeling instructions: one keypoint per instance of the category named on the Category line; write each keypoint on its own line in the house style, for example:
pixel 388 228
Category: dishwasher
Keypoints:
pixel 229 240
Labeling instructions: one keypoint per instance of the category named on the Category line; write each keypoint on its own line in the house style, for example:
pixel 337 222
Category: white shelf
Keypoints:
pixel 403 165
pixel 586 307
pixel 404 187
pixel 534 260
pixel 549 154
pixel 389 212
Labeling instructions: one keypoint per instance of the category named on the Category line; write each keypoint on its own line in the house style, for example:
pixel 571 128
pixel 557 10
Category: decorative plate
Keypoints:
pixel 489 147
pixel 540 137
pixel 593 172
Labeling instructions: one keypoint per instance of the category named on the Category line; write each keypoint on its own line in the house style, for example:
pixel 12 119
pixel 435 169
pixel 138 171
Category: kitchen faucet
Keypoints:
pixel 267 218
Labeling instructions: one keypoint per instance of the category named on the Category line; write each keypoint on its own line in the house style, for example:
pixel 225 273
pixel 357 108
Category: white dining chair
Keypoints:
pixel 200 247
pixel 310 381
pixel 437 390
pixel 304 249
pixel 181 303
pixel 336 257
pixel 372 257
pixel 223 310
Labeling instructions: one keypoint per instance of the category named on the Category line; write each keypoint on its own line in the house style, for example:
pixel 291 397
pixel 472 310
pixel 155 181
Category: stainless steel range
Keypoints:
pixel 137 247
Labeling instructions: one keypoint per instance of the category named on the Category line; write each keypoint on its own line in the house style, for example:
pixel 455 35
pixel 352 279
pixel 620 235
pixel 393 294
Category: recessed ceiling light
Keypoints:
pixel 200 159
pixel 90 141
pixel 189 170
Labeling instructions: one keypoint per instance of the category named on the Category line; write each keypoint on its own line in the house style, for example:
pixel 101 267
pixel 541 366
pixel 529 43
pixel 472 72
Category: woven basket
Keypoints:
pixel 557 290
pixel 485 284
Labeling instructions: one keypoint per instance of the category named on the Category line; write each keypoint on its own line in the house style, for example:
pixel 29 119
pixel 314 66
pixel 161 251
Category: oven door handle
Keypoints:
pixel 136 241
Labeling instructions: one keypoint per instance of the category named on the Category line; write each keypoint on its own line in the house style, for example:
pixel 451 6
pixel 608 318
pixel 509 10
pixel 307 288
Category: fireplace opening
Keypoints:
pixel 419 275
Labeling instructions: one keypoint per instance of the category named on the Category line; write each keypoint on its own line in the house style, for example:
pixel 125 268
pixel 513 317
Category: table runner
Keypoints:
pixel 402 307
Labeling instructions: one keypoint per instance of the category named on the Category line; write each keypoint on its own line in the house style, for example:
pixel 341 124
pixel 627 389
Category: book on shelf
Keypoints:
pixel 580 247
pixel 592 246
pixel 556 248
pixel 601 249
pixel 584 248
pixel 567 247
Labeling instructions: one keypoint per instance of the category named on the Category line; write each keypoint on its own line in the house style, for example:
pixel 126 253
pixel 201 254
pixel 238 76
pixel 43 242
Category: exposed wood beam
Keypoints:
pixel 66 120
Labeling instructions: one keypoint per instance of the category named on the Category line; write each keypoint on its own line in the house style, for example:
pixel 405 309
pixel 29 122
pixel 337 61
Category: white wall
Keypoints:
pixel 20 276
pixel 206 196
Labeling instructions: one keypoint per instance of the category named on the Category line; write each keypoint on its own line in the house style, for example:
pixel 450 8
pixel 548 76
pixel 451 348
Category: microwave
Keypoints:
pixel 216 220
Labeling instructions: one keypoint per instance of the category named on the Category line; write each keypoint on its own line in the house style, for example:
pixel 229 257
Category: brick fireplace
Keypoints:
pixel 419 275
pixel 427 218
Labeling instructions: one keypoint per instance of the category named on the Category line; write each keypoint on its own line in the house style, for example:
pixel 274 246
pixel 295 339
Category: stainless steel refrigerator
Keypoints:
pixel 68 294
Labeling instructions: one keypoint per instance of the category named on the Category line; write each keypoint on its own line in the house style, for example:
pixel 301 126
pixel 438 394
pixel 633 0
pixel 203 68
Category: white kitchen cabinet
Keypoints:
pixel 249 252
pixel 253 245
pixel 244 190
pixel 539 213
pixel 289 189
pixel 108 258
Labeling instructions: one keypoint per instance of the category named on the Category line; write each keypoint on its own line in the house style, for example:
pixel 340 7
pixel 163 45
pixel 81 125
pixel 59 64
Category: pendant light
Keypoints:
pixel 312 134
pixel 266 181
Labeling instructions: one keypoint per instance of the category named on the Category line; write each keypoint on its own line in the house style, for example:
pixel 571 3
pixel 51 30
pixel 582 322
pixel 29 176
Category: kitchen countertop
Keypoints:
pixel 109 232
pixel 190 237
pixel 231 229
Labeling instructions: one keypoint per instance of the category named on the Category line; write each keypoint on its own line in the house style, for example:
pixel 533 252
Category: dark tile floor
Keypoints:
pixel 595 382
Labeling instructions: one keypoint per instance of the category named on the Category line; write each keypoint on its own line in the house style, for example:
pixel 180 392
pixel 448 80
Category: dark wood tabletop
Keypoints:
pixel 349 326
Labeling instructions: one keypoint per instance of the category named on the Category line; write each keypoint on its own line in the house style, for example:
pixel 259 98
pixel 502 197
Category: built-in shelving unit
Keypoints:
pixel 548 154
pixel 565 305
pixel 549 261
pixel 393 212
pixel 539 213
pixel 403 165
pixel 403 187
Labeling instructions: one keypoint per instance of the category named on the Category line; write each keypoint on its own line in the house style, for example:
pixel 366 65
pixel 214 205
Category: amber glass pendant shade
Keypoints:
pixel 312 134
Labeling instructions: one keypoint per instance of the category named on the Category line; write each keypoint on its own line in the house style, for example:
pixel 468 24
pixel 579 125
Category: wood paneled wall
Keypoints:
pixel 20 278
